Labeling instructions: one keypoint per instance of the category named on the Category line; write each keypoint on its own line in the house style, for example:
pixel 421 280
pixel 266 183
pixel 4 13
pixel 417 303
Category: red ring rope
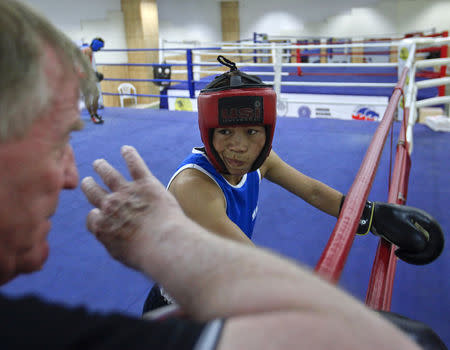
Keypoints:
pixel 333 258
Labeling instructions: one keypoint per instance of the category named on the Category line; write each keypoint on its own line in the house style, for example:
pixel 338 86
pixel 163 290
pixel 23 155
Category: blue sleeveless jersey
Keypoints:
pixel 241 199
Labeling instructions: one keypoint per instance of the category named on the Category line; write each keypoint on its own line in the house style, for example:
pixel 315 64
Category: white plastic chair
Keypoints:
pixel 125 89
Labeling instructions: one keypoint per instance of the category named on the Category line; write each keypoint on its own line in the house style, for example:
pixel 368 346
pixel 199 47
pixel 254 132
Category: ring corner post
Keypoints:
pixel 190 74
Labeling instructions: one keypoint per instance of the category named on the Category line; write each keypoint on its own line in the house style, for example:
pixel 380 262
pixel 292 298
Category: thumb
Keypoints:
pixel 432 251
pixel 92 220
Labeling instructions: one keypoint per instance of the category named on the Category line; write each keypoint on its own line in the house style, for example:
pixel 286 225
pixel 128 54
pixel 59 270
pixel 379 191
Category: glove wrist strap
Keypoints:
pixel 366 219
pixel 365 222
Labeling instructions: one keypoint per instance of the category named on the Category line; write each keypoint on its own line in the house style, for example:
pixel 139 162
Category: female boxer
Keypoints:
pixel 218 184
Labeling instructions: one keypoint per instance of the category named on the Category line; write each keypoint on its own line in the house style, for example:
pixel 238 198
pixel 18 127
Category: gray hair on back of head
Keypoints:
pixel 24 90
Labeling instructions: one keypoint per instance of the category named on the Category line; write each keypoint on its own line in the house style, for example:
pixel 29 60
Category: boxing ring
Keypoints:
pixel 376 91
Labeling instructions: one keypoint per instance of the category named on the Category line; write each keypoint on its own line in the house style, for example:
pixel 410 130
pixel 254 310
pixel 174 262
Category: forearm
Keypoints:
pixel 226 278
pixel 258 290
pixel 307 330
pixel 324 198
pixel 314 192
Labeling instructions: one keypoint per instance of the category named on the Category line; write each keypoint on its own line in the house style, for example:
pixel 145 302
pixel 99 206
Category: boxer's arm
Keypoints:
pixel 312 191
pixel 203 201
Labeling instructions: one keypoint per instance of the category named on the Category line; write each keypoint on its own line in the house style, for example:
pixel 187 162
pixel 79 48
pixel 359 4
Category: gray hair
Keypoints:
pixel 24 89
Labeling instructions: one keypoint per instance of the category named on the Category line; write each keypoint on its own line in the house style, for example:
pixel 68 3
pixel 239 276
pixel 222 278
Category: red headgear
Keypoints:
pixel 236 99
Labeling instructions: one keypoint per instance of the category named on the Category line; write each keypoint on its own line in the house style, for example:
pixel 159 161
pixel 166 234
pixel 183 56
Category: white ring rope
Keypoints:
pixel 309 46
pixel 433 101
pixel 433 82
pixel 433 62
pixel 365 65
pixel 314 83
pixel 250 54
pixel 366 103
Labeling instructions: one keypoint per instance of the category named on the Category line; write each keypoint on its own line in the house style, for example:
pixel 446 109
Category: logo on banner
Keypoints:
pixel 365 113
pixel 304 112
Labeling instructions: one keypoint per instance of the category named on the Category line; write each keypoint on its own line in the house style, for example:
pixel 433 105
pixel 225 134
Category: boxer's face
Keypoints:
pixel 238 147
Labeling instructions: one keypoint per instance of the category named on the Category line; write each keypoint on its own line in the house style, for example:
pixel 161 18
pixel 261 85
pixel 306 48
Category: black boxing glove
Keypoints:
pixel 418 331
pixel 99 76
pixel 417 234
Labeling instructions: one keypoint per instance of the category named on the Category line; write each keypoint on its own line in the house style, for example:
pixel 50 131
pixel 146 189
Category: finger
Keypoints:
pixel 93 219
pixel 136 165
pixel 422 220
pixel 110 176
pixel 93 191
pixel 415 240
pixel 424 232
pixel 432 251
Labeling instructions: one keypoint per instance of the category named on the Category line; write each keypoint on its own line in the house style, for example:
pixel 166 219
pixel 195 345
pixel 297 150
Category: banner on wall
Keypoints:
pixel 370 108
